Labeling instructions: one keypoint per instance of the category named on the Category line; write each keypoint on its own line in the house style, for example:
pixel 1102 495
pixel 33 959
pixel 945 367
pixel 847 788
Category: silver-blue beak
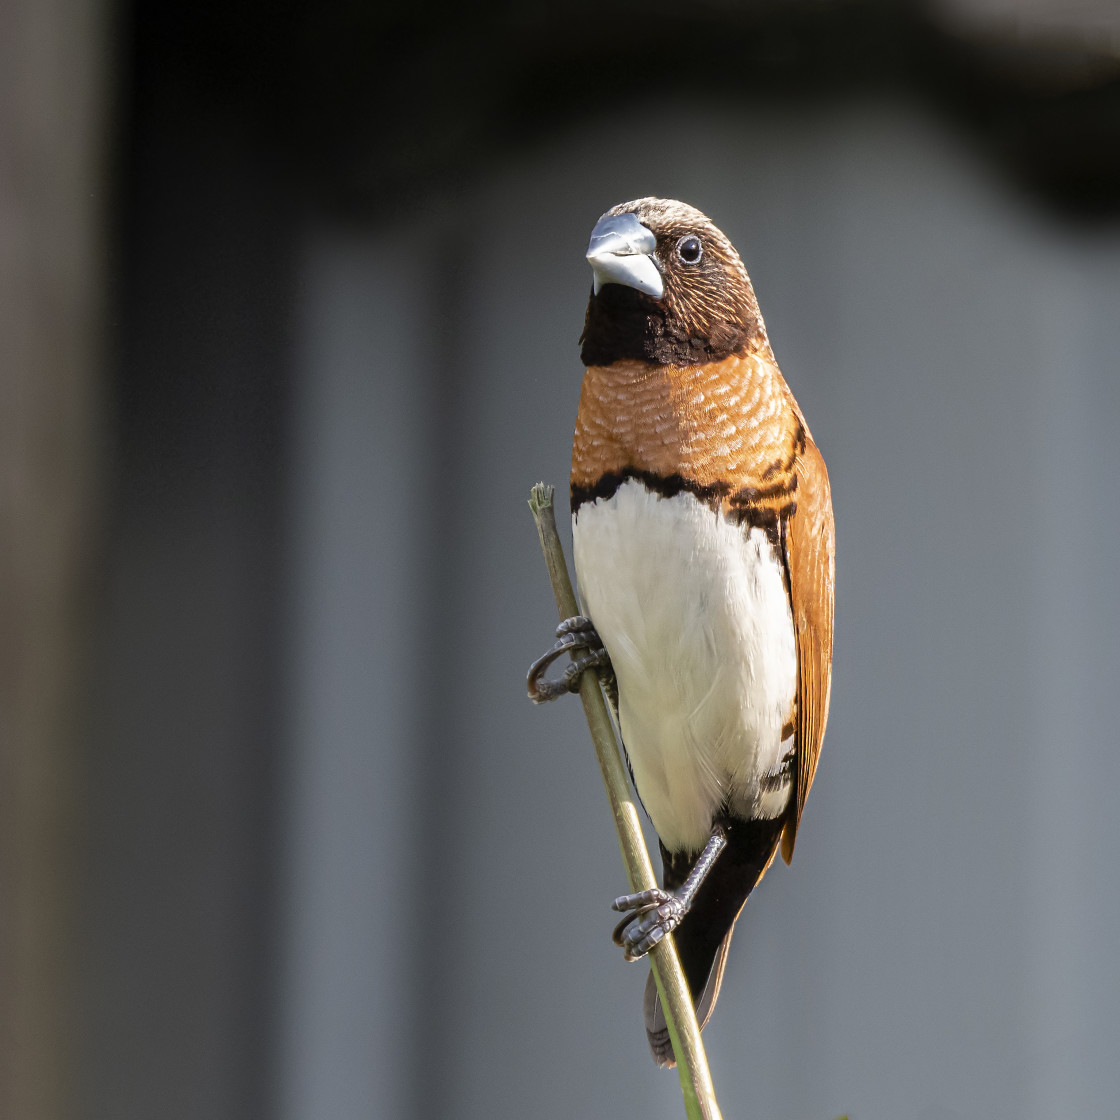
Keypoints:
pixel 621 252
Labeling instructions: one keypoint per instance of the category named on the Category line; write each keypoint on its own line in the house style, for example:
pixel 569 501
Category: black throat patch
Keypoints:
pixel 623 323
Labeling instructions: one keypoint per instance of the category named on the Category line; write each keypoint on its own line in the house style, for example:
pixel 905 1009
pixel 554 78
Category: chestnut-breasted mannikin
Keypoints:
pixel 703 537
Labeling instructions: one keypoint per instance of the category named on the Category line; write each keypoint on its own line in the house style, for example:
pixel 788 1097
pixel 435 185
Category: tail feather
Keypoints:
pixel 704 936
pixel 657 1031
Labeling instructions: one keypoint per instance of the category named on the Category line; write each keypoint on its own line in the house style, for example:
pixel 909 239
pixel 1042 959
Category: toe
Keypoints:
pixel 643 899
pixel 577 624
pixel 648 929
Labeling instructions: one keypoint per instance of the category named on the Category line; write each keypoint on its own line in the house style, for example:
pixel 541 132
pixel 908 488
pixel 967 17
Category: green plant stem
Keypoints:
pixel 684 1034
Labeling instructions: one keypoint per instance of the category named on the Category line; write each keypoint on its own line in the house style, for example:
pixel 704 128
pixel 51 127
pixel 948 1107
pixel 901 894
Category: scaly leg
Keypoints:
pixel 652 914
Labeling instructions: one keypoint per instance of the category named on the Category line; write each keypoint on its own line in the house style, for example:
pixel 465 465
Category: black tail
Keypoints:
pixel 704 935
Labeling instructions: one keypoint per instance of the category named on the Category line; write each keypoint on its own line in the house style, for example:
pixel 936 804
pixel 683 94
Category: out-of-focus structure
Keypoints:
pixel 290 302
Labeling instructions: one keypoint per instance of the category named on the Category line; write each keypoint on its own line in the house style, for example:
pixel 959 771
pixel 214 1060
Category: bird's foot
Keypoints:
pixel 572 634
pixel 649 916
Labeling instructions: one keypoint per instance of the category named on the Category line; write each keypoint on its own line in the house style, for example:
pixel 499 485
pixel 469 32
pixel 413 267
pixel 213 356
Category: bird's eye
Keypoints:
pixel 689 249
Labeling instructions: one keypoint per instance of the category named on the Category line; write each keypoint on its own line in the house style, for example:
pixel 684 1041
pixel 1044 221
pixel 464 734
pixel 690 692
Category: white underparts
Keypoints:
pixel 694 613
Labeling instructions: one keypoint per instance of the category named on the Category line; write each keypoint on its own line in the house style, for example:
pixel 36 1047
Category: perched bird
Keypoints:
pixel 703 540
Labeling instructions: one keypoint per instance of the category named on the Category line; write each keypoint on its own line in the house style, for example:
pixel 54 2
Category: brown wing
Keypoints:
pixel 810 545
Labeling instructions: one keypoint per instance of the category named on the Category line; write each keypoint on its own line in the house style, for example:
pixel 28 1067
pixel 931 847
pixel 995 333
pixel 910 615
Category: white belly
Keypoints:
pixel 694 613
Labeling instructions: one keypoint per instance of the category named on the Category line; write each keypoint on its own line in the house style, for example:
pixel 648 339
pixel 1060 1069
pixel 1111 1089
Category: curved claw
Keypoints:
pixel 652 914
pixel 572 634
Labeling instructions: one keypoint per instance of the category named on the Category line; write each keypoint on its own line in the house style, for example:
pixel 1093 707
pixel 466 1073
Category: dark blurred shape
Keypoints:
pixel 1045 79
pixel 371 104
pixel 183 788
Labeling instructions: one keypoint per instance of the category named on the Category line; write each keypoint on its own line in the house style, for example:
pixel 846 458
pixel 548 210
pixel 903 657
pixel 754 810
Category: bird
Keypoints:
pixel 704 544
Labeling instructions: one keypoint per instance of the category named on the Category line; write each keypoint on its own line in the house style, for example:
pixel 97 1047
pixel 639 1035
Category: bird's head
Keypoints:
pixel 669 288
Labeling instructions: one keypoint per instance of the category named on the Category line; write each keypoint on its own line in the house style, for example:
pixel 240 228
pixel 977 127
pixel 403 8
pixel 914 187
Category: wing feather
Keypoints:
pixel 810 545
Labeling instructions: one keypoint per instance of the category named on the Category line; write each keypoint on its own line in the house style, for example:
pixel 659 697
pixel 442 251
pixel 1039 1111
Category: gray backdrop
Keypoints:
pixel 944 944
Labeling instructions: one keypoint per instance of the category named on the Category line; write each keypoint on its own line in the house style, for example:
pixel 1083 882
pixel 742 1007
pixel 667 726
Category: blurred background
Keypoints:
pixel 290 296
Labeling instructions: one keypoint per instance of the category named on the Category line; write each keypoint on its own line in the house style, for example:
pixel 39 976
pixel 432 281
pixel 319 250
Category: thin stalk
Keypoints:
pixel 692 1062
